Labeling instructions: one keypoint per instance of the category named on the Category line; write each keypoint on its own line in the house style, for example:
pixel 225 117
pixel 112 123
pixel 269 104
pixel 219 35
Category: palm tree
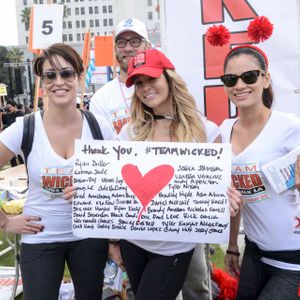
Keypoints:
pixel 25 17
pixel 15 55
pixel 66 11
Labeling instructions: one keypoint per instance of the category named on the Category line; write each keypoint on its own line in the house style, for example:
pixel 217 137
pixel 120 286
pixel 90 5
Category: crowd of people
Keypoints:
pixel 149 101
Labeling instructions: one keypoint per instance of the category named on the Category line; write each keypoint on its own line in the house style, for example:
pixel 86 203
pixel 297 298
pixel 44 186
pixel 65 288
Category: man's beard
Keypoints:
pixel 123 63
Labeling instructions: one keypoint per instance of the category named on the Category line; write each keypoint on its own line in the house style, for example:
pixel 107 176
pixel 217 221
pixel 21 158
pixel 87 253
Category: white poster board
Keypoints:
pixel 184 24
pixel 47 25
pixel 152 191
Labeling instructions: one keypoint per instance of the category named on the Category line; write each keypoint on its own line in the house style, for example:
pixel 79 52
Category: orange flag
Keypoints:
pixel 103 51
pixel 86 49
pixel 36 51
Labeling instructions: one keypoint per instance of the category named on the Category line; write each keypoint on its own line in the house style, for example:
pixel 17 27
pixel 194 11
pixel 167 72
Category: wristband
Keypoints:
pixel 114 242
pixel 230 252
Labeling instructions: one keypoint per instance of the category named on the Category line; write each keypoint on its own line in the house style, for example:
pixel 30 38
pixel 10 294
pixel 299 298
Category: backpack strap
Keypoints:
pixel 93 124
pixel 28 134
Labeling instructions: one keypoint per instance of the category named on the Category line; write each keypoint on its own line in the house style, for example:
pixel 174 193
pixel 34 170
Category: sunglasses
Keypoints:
pixel 249 77
pixel 135 42
pixel 66 74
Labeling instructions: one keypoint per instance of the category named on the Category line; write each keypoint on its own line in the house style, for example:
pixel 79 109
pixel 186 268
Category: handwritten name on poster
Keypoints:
pixel 152 191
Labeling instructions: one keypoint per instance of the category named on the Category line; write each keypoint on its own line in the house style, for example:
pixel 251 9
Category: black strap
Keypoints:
pixel 27 138
pixel 161 117
pixel 93 124
pixel 28 134
pixel 287 256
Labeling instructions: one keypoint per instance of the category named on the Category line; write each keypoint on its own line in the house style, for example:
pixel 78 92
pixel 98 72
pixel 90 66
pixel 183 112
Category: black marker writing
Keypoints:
pixel 120 150
pixel 89 150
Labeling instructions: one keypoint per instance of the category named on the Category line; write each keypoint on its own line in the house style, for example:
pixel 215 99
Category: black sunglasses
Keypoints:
pixel 135 42
pixel 249 77
pixel 65 74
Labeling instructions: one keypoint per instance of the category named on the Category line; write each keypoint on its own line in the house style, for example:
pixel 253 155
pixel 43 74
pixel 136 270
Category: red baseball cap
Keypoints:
pixel 147 62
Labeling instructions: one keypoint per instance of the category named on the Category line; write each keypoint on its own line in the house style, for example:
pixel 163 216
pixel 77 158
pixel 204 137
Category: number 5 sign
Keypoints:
pixel 47 25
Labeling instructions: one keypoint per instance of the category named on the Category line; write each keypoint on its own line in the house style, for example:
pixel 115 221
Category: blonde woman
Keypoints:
pixel 163 110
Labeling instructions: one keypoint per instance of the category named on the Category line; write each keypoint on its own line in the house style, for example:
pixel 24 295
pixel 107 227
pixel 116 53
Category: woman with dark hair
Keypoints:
pixel 271 263
pixel 50 167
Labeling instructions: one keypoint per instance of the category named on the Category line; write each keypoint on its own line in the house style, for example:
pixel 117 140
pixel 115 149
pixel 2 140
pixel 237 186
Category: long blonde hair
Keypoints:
pixel 187 126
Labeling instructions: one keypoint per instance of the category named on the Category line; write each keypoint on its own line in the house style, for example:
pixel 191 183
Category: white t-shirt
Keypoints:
pixel 112 102
pixel 161 247
pixel 269 218
pixel 48 173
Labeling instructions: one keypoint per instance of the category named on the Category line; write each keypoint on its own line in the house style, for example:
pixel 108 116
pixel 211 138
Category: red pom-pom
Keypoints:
pixel 260 29
pixel 218 35
pixel 227 284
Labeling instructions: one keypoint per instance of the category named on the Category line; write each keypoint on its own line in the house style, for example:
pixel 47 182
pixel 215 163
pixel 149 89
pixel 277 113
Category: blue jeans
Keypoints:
pixel 42 268
pixel 153 276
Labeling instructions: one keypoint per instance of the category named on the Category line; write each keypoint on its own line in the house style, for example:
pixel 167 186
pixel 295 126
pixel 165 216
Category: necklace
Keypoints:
pixel 161 117
pixel 123 94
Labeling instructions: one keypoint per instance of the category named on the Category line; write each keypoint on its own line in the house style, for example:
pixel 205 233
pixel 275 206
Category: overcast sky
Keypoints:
pixel 8 25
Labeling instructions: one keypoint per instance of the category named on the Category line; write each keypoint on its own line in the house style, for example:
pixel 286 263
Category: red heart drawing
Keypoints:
pixel 148 186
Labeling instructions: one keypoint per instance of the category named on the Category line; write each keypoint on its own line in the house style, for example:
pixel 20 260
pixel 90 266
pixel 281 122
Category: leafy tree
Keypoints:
pixel 15 55
pixel 25 17
pixel 3 71
pixel 66 11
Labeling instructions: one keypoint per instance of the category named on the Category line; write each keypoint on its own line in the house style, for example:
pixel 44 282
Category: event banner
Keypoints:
pixel 152 191
pixel 183 28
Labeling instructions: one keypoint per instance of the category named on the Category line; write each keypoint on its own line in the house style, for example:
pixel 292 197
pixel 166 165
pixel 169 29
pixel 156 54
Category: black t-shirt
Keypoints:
pixel 9 118
pixel 19 113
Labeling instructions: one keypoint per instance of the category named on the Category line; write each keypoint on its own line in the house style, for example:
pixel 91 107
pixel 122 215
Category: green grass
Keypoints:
pixel 218 257
pixel 8 258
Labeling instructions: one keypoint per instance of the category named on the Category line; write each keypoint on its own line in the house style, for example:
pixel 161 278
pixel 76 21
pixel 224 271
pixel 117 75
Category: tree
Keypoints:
pixel 66 11
pixel 3 71
pixel 25 17
pixel 15 55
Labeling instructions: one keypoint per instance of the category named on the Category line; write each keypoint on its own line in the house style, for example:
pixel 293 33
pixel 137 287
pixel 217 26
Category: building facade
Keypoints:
pixel 100 16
